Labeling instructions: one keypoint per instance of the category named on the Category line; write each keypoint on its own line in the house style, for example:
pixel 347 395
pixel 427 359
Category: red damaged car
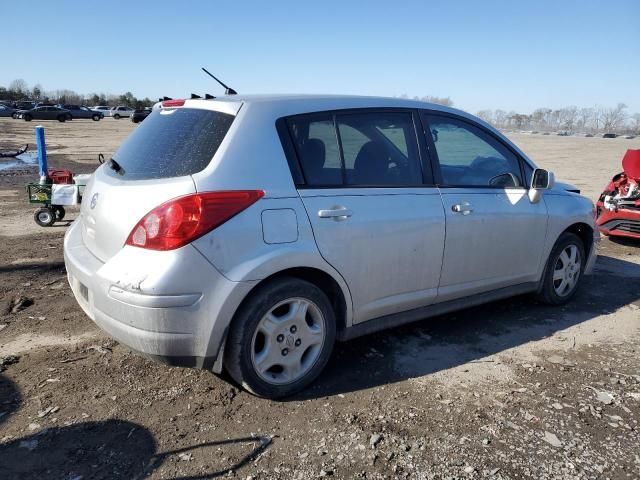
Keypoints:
pixel 618 208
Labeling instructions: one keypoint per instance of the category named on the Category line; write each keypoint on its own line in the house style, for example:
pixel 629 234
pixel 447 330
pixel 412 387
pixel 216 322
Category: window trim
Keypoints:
pixel 293 155
pixel 426 129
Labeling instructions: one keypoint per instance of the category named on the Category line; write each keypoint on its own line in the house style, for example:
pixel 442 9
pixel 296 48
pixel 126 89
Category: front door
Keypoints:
pixel 374 219
pixel 494 234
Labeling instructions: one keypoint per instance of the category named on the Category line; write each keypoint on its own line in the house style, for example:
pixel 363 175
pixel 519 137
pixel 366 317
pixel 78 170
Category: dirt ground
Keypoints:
pixel 509 390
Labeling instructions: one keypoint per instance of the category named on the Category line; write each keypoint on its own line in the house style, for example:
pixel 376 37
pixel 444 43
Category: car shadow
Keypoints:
pixel 109 449
pixel 10 398
pixel 40 267
pixel 468 336
pixel 625 241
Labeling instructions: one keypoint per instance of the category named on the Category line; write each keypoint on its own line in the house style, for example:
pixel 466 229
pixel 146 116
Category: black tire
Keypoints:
pixel 45 216
pixel 60 212
pixel 548 291
pixel 69 117
pixel 117 116
pixel 238 351
pixel 62 118
pixel 14 116
pixel 27 117
pixel 96 118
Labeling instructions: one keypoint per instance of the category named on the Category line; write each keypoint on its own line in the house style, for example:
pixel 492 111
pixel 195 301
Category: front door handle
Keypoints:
pixel 337 213
pixel 464 208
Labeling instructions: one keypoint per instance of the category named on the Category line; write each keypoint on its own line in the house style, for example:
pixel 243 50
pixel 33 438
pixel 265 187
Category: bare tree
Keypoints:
pixel 635 122
pixel 568 117
pixel 613 118
pixel 19 86
pixel 36 92
pixel 584 118
pixel 446 101
pixel 486 115
pixel 500 118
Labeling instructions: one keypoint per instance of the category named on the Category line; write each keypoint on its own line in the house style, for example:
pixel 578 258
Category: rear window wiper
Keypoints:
pixel 115 166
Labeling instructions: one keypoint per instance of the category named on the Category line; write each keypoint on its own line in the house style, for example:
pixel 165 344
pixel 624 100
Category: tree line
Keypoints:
pixel 19 90
pixel 568 119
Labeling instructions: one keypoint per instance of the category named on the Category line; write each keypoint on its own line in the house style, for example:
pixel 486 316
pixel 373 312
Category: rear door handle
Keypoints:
pixel 337 213
pixel 464 208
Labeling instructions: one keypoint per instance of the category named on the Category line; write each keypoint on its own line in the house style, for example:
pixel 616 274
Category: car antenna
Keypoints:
pixel 227 90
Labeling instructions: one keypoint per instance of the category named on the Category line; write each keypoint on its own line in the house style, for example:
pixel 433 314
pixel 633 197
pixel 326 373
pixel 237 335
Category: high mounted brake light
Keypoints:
pixel 184 219
pixel 173 103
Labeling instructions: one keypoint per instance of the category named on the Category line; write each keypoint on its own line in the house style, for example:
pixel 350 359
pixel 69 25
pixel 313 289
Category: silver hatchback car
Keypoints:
pixel 251 233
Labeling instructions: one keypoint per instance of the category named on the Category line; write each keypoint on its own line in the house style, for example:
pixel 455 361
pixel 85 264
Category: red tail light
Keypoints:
pixel 173 103
pixel 182 220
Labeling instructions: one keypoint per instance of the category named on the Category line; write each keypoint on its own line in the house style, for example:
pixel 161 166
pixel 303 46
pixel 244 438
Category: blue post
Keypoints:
pixel 42 154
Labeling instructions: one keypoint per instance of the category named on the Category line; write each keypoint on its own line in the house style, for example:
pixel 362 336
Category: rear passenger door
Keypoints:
pixel 494 234
pixel 375 214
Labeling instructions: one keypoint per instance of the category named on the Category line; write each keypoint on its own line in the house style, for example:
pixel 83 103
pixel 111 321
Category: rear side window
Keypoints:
pixel 357 149
pixel 379 149
pixel 317 146
pixel 172 143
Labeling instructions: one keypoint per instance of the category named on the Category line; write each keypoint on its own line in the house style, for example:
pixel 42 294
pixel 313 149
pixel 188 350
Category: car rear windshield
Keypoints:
pixel 172 143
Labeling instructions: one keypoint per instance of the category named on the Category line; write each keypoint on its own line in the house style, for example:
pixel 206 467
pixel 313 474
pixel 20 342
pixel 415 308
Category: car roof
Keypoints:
pixel 328 102
pixel 281 105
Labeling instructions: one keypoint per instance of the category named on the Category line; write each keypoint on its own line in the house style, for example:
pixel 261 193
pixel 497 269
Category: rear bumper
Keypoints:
pixel 170 306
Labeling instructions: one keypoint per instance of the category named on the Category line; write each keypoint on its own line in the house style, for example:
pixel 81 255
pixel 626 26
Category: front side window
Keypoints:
pixel 470 157
pixel 367 149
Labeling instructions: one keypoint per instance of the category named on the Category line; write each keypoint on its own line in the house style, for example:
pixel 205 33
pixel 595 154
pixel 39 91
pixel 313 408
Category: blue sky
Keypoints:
pixel 483 54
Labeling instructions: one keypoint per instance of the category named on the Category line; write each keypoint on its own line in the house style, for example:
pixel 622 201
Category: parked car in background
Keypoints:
pixel 45 113
pixel 251 233
pixel 25 105
pixel 78 111
pixel 104 109
pixel 140 114
pixel 6 111
pixel 120 112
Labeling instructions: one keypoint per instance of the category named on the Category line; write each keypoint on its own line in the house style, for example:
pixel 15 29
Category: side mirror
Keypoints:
pixel 540 180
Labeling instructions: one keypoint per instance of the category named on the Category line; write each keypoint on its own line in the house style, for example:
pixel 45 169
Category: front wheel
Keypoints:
pixel 116 116
pixel 281 338
pixel 27 117
pixel 62 118
pixel 563 271
pixel 45 216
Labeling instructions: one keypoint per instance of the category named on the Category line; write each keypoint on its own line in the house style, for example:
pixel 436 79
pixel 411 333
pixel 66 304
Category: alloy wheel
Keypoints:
pixel 567 271
pixel 288 341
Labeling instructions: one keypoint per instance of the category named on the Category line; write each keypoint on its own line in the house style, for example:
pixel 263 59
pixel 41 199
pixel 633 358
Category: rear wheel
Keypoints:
pixel 27 117
pixel 281 338
pixel 96 118
pixel 45 216
pixel 62 118
pixel 59 211
pixel 563 271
